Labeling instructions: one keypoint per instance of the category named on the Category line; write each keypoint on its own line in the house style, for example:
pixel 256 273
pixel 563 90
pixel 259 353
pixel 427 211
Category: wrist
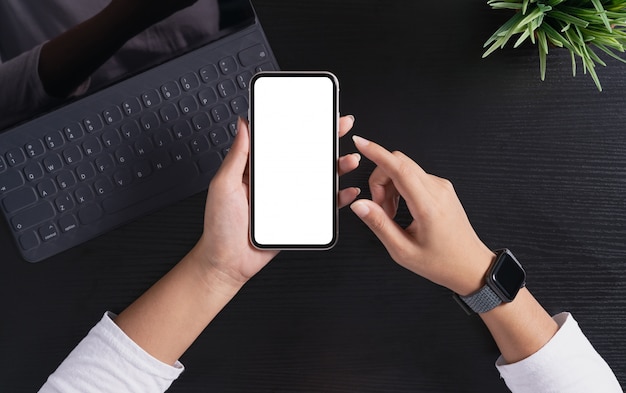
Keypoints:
pixel 214 278
pixel 474 277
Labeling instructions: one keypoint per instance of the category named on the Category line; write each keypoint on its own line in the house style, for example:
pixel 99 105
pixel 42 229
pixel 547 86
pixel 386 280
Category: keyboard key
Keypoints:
pixel 239 105
pixel 183 129
pixel 201 121
pixel 103 187
pixel 220 113
pixel 111 138
pixel 161 160
pixel 180 153
pixel 199 144
pixel 104 163
pixel 52 163
pixel 83 194
pixel 112 115
pixel 48 232
pixel 142 170
pixel 209 73
pixel 65 180
pixel 243 80
pixel 72 155
pixel 73 132
pixel 68 223
pixel 46 188
pixel 151 98
pixel 92 146
pixel 123 155
pixel 207 97
pixel 190 81
pixel 85 171
pixel 15 157
pixel 232 127
pixel 169 113
pixel 226 88
pixel 54 140
pixel 29 241
pixel 89 214
pixel 33 216
pixel 131 130
pixel 34 149
pixel 64 203
pixel 143 146
pixel 33 171
pixel 92 123
pixel 252 55
pixel 131 106
pixel 188 105
pixel 228 65
pixel 150 122
pixel 265 67
pixel 137 194
pixel 122 178
pixel 19 199
pixel 170 90
pixel 209 163
pixel 10 180
pixel 218 136
pixel 162 138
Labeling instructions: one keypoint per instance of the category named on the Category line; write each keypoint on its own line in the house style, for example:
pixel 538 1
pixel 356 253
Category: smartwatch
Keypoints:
pixel 505 278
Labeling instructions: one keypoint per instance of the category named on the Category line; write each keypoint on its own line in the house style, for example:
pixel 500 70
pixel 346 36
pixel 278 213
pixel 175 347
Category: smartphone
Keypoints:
pixel 293 160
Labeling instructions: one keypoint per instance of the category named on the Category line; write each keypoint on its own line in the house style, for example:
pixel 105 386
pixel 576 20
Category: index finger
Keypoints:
pixel 408 178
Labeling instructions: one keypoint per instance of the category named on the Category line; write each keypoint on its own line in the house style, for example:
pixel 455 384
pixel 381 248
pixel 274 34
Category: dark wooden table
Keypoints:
pixel 539 166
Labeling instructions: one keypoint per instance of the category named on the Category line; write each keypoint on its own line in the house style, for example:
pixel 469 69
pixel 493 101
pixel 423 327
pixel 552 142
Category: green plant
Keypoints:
pixel 577 25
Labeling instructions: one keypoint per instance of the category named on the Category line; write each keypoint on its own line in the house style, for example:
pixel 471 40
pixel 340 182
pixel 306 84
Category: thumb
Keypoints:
pixel 237 158
pixel 393 237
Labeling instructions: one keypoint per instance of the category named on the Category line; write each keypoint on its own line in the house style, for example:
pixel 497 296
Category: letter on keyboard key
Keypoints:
pixel 33 216
pixel 19 199
pixel 137 194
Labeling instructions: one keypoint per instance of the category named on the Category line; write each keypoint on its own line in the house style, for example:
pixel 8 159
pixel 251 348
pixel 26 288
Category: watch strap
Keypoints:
pixel 482 301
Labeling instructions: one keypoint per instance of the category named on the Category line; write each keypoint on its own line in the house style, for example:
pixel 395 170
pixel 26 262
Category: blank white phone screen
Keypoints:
pixel 294 133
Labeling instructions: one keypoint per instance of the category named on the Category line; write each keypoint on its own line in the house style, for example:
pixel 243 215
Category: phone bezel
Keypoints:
pixel 335 231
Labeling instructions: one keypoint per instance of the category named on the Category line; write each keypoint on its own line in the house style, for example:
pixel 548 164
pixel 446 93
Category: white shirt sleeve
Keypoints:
pixel 107 360
pixel 568 363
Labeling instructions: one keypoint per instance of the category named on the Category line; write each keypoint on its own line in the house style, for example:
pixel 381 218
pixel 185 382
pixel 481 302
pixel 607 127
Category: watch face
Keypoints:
pixel 507 276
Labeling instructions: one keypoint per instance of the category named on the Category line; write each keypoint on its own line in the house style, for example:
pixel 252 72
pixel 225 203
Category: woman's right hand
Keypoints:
pixel 440 244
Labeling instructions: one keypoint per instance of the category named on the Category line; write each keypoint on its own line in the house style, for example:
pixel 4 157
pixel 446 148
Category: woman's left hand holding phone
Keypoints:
pixel 171 314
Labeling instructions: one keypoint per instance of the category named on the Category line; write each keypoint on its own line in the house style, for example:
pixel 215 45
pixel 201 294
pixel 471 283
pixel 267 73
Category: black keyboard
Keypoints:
pixel 142 144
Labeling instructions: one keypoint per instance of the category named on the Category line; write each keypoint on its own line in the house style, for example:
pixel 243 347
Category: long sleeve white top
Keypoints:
pixel 108 361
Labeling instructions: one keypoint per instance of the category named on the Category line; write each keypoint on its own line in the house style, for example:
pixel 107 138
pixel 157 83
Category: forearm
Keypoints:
pixel 520 328
pixel 168 318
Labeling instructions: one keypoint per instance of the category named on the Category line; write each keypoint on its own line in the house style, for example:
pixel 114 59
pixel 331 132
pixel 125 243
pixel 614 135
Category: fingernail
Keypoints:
pixel 358 156
pixel 358 191
pixel 360 209
pixel 361 142
pixel 353 118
